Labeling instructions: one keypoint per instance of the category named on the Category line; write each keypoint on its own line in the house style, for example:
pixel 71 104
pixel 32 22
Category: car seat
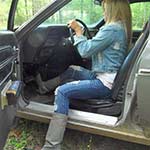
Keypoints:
pixel 113 105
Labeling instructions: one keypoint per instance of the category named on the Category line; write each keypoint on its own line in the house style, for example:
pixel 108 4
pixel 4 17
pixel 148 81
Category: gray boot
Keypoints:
pixel 52 83
pixel 49 85
pixel 55 132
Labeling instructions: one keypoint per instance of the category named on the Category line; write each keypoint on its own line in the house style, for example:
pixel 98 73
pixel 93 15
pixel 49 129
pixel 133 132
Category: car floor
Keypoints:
pixel 31 94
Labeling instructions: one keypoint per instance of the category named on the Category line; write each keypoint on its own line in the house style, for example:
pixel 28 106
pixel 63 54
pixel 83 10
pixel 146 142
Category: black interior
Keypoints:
pixel 48 51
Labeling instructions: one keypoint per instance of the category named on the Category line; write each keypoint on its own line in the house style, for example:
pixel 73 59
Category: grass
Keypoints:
pixel 26 134
pixel 30 134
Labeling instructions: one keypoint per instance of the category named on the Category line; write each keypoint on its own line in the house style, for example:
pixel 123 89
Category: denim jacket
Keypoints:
pixel 107 48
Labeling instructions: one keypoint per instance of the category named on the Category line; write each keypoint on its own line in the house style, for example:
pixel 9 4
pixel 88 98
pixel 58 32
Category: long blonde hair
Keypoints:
pixel 119 10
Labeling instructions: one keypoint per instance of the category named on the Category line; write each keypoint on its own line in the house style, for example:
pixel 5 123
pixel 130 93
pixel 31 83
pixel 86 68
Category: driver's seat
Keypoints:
pixel 113 105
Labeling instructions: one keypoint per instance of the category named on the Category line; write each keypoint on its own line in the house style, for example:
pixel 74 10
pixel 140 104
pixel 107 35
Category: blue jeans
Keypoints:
pixel 85 86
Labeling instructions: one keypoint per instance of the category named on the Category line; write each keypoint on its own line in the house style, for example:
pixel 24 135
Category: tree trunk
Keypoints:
pixel 26 9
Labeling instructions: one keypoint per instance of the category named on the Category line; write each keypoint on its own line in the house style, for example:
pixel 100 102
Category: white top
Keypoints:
pixel 107 78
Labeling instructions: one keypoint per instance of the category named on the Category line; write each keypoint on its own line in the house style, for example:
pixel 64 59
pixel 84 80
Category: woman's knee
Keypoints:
pixel 58 91
pixel 61 103
pixel 61 97
pixel 62 90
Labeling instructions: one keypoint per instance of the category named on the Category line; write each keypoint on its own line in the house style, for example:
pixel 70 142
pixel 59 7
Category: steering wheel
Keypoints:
pixel 71 32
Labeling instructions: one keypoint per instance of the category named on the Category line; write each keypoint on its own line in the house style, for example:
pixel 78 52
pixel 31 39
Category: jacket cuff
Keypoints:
pixel 78 39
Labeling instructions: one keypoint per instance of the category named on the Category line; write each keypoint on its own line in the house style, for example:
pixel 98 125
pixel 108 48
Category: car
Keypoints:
pixel 36 40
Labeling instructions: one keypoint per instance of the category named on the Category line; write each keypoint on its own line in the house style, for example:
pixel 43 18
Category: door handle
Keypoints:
pixel 144 71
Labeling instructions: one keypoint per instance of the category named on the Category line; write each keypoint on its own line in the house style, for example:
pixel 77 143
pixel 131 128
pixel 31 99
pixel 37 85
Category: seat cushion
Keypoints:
pixel 101 106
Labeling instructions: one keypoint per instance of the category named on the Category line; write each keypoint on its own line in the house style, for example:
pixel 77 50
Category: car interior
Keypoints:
pixel 48 51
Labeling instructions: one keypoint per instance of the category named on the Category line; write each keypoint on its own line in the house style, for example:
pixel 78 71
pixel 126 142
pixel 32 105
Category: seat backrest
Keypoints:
pixel 128 63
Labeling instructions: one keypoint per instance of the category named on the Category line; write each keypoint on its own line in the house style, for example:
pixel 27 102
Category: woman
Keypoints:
pixel 107 50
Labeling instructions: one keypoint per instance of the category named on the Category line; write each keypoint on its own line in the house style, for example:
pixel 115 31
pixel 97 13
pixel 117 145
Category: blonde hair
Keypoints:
pixel 119 10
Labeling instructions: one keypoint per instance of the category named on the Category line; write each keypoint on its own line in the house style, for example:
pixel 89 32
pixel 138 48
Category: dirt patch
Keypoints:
pixel 31 134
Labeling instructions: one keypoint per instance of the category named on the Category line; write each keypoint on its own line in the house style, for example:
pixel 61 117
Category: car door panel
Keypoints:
pixel 5 53
pixel 6 120
pixel 143 85
pixel 8 56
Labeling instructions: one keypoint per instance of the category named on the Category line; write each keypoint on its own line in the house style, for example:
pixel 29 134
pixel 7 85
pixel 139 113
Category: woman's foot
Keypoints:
pixel 41 87
pixel 46 86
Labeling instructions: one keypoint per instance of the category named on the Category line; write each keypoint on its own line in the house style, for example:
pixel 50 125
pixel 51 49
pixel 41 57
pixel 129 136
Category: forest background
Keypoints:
pixel 81 9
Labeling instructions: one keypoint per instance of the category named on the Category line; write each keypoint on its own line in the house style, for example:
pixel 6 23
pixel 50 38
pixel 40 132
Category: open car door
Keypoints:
pixel 9 85
pixel 10 41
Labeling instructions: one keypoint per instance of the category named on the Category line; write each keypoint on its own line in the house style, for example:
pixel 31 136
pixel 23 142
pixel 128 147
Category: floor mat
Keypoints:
pixel 31 94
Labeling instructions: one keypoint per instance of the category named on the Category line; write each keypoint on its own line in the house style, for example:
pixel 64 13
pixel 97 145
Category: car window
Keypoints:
pixel 27 9
pixel 4 11
pixel 140 14
pixel 84 10
pixel 90 13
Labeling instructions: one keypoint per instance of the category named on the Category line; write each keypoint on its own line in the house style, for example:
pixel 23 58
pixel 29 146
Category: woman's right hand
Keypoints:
pixel 73 24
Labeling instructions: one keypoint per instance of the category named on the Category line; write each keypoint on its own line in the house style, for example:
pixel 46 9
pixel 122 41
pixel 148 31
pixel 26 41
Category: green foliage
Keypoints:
pixel 140 14
pixel 26 134
pixel 4 10
pixel 18 143
pixel 82 9
pixel 26 9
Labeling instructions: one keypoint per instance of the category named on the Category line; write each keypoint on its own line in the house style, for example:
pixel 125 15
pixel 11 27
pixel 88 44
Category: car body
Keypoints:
pixel 30 46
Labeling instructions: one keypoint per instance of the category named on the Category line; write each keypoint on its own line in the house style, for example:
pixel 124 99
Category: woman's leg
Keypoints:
pixel 84 89
pixel 59 120
pixel 55 132
pixel 74 73
pixel 45 87
pixel 71 74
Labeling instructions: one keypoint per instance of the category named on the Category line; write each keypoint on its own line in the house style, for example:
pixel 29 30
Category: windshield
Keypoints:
pixel 84 10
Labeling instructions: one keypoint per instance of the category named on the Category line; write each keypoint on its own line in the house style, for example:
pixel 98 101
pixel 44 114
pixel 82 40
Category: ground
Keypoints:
pixel 31 134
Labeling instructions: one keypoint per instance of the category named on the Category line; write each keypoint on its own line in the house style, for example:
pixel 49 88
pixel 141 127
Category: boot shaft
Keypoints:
pixel 55 132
